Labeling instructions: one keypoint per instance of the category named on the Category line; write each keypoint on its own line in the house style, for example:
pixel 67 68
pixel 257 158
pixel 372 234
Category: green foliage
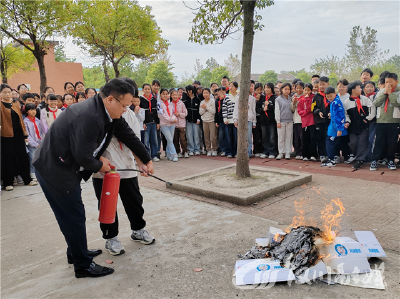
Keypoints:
pixel 204 77
pixel 268 76
pixel 216 20
pixel 186 79
pixel 212 64
pixel 14 60
pixel 332 64
pixel 162 72
pixel 304 76
pixel 218 73
pixel 94 77
pixel 333 79
pixel 59 53
pixel 233 65
pixel 116 30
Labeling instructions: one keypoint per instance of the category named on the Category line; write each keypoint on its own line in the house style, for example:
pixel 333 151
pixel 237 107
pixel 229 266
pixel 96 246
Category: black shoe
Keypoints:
pixel 91 252
pixel 358 164
pixel 94 270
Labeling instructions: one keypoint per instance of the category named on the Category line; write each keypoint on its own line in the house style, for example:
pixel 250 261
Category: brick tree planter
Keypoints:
pixel 222 184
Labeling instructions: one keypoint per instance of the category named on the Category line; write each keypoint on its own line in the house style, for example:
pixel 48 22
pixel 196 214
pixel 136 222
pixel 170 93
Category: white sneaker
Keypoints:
pixel 209 154
pixel 114 246
pixel 9 188
pixel 271 157
pixel 20 181
pixel 337 159
pixel 32 183
pixel 180 155
pixel 186 155
pixel 197 153
pixel 223 154
pixel 175 159
pixel 323 159
pixel 191 154
pixel 155 159
pixel 299 158
pixel 305 159
pixel 33 176
pixel 313 159
pixel 142 236
pixel 287 156
pixel 263 156
pixel 257 155
pixel 203 152
pixel 214 153
pixel 280 156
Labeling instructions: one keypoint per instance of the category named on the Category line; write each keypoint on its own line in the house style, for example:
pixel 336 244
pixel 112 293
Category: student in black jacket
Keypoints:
pixel 219 122
pixel 72 150
pixel 320 108
pixel 192 104
pixel 151 122
pixel 265 108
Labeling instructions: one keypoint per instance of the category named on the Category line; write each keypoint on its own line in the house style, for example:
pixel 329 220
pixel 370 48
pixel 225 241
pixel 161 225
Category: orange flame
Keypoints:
pixel 332 221
pixel 299 219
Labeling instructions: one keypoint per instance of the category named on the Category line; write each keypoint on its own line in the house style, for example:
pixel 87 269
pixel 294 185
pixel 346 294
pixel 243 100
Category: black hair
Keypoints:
pixel 19 86
pixel 191 88
pixel 27 96
pixel 217 89
pixel 51 97
pixel 133 83
pixel 90 88
pixel 352 86
pixel 36 95
pixel 301 83
pixel 181 88
pixel 146 84
pixel 59 97
pixel 315 76
pixel 368 70
pixel 277 82
pixel 316 81
pixel 234 83
pixel 163 89
pixel 117 87
pixel 295 81
pixel 213 84
pixel 67 94
pixel 79 94
pixel 392 76
pixel 42 96
pixel 155 81
pixel 66 84
pixel 4 86
pixel 200 87
pixel 309 85
pixel 329 90
pixel 252 81
pixel 222 88
pixel 171 90
pixel 225 77
pixel 47 88
pixel 343 81
pixel 196 82
pixel 284 85
pixel 324 79
pixel 258 85
pixel 79 82
pixel 28 107
pixel 384 74
pixel 270 85
pixel 368 82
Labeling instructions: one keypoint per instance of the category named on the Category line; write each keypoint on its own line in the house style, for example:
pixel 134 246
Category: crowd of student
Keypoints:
pixel 355 123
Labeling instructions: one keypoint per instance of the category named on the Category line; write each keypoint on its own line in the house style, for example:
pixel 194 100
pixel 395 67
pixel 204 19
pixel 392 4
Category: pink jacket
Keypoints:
pixel 304 110
pixel 181 109
pixel 165 118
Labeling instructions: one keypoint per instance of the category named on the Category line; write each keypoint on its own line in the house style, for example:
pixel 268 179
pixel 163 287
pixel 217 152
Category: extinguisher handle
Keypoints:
pixel 112 167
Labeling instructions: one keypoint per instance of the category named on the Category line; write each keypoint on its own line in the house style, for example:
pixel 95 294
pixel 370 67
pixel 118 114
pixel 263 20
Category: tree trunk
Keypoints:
pixel 116 70
pixel 106 76
pixel 242 164
pixel 3 71
pixel 42 71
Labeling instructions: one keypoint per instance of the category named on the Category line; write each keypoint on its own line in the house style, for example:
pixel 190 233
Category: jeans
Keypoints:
pixel 249 137
pixel 168 132
pixel 269 139
pixel 31 153
pixel 70 214
pixel 371 139
pixel 192 136
pixel 131 199
pixel 221 137
pixel 150 139
pixel 159 139
pixel 231 140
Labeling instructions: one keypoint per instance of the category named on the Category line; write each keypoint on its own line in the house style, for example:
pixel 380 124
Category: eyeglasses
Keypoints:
pixel 125 107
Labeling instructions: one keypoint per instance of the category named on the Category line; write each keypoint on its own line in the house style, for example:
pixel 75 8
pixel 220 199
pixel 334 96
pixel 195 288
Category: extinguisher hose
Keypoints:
pixel 147 174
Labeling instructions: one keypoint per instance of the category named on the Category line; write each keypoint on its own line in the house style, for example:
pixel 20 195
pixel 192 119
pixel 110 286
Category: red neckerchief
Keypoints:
pixel 149 99
pixel 33 120
pixel 167 104
pixel 387 101
pixel 219 103
pixel 266 100
pixel 370 94
pixel 120 145
pixel 175 103
pixel 325 101
pixel 54 112
pixel 65 105
pixel 358 103
pixel 227 89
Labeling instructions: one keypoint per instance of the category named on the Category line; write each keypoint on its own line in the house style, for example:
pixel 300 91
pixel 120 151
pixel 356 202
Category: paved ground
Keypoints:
pixel 192 232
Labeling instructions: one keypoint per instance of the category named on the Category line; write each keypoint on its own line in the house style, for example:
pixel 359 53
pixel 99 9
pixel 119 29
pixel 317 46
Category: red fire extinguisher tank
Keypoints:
pixel 109 197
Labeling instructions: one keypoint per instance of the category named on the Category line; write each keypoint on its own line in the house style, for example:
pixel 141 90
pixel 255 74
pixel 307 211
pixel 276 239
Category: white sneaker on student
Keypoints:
pixel 271 157
pixel 186 155
pixel 280 156
pixel 299 158
pixel 180 155
pixel 263 156
pixel 287 156
pixel 155 159
pixel 114 246
pixel 214 153
pixel 313 159
pixel 191 154
pixel 257 155
pixel 209 154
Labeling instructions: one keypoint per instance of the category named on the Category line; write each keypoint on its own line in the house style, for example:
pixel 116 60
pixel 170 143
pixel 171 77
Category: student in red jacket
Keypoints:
pixel 308 124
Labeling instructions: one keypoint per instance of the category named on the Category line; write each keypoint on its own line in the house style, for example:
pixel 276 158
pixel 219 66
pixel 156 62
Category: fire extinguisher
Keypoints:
pixel 109 196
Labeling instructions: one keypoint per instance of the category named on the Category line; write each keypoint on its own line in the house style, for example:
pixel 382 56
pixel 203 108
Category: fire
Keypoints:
pixel 332 221
pixel 302 206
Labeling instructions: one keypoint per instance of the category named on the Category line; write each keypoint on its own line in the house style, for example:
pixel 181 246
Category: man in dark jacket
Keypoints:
pixel 71 151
